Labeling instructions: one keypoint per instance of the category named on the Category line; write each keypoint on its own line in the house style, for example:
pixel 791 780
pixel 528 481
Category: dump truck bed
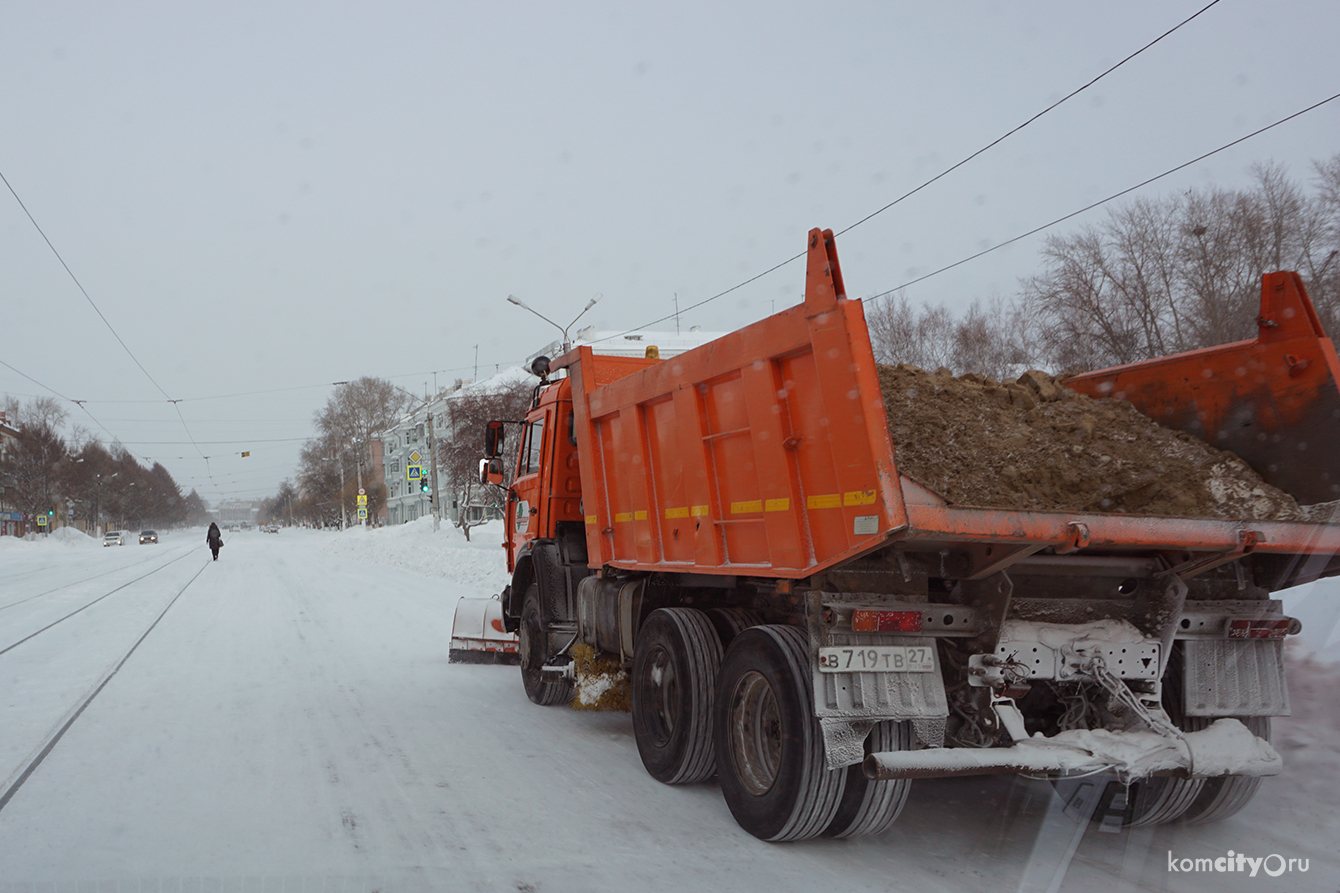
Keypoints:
pixel 767 452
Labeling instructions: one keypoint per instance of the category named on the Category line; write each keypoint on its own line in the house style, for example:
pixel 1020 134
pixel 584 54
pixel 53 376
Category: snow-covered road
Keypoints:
pixel 292 723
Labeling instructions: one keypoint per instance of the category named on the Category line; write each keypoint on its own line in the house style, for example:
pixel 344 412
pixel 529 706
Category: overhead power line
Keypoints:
pixel 130 353
pixel 1113 196
pixel 997 141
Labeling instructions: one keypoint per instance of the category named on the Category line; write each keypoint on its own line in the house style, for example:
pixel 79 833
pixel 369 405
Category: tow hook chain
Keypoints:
pixel 1097 668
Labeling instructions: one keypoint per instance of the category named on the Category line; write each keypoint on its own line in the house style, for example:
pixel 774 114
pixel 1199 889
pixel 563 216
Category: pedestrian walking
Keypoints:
pixel 215 539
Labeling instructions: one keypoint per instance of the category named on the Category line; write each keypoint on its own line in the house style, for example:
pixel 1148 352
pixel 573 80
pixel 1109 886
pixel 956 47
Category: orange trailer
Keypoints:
pixel 815 629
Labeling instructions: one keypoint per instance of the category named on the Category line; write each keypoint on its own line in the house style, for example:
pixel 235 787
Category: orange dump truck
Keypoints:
pixel 815 629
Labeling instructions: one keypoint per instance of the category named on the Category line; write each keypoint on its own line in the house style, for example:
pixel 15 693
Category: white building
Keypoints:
pixel 405 451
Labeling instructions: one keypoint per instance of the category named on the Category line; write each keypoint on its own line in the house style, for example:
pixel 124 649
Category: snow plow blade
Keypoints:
pixel 478 636
pixel 1225 748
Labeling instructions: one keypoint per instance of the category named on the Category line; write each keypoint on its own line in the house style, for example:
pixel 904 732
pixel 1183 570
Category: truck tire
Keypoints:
pixel 672 687
pixel 730 622
pixel 543 689
pixel 1227 795
pixel 770 753
pixel 869 806
pixel 1157 800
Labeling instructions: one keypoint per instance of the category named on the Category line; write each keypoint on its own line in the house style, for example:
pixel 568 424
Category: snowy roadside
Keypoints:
pixel 478 565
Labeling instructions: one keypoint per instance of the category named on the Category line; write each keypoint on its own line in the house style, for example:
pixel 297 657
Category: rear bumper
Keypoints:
pixel 1225 748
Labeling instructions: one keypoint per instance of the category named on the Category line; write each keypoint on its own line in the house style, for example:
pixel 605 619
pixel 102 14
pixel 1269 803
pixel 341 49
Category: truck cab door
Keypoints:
pixel 523 517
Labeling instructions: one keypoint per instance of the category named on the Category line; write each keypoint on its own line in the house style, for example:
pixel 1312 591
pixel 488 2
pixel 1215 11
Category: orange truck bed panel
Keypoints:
pixel 1274 400
pixel 766 453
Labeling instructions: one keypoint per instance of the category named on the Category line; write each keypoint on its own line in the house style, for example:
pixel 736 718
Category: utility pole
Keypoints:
pixel 362 522
pixel 432 465
pixel 344 519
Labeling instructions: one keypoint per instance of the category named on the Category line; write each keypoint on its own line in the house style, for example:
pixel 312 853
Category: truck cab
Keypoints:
pixel 546 493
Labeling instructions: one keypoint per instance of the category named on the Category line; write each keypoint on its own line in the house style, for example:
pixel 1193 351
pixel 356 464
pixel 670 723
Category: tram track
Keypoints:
pixel 27 771
pixel 33 573
pixel 90 604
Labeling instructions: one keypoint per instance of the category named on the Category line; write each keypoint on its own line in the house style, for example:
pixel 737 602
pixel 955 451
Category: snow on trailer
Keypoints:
pixel 815 622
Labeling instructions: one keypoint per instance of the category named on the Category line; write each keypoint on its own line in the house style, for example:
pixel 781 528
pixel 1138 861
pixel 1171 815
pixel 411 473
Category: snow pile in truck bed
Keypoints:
pixel 1035 445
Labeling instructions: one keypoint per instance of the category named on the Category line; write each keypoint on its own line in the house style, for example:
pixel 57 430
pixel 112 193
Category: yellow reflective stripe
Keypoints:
pixel 590 519
pixel 859 497
pixel 746 507
pixel 681 512
pixel 698 511
pixel 640 515
pixel 827 501
pixel 623 517
pixel 777 505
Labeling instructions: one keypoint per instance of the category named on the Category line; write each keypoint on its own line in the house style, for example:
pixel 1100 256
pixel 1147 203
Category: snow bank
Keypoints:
pixel 478 565
pixel 1317 604
pixel 65 536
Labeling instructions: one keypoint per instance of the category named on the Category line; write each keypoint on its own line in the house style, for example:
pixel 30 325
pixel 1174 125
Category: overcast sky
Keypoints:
pixel 264 198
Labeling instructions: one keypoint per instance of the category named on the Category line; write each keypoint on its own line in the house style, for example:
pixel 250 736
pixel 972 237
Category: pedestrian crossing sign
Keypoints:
pixel 414 472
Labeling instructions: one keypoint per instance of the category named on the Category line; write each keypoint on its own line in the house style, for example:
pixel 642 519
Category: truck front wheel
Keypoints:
pixel 770 753
pixel 545 689
pixel 672 686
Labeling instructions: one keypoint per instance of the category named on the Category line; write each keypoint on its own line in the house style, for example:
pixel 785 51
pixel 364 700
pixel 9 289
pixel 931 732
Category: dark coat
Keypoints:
pixel 214 537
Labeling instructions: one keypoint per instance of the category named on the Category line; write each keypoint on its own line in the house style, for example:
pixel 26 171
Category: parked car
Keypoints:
pixel 114 538
pixel 148 536
pixel 271 528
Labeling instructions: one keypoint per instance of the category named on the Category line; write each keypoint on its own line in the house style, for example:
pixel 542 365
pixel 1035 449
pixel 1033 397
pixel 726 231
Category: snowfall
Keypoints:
pixel 286 719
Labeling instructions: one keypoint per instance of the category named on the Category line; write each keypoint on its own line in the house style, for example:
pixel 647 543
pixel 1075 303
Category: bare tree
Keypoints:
pixel 460 450
pixel 1162 276
pixel 353 415
pixel 901 333
pixel 30 472
pixel 992 339
pixel 1324 266
pixel 39 412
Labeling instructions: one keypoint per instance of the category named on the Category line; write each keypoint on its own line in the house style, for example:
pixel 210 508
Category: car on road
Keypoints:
pixel 271 528
pixel 114 538
pixel 148 536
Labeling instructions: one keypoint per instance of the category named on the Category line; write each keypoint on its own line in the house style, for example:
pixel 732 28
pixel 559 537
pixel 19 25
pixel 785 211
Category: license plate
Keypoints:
pixel 877 659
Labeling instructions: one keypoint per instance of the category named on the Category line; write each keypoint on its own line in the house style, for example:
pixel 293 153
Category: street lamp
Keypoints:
pixel 513 299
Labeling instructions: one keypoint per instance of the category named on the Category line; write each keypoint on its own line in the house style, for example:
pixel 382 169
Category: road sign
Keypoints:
pixel 362 499
pixel 362 492
pixel 414 458
pixel 414 472
pixel 362 513
pixel 41 520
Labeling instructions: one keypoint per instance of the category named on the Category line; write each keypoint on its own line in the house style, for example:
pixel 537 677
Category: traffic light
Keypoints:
pixel 424 486
pixel 51 512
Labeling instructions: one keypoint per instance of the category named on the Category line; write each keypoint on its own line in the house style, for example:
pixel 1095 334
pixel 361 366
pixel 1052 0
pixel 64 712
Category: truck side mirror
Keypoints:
pixel 493 439
pixel 491 471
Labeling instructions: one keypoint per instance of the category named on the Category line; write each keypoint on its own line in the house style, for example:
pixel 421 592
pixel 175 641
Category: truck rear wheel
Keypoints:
pixel 545 689
pixel 730 622
pixel 1226 795
pixel 672 686
pixel 770 753
pixel 869 806
pixel 1156 800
